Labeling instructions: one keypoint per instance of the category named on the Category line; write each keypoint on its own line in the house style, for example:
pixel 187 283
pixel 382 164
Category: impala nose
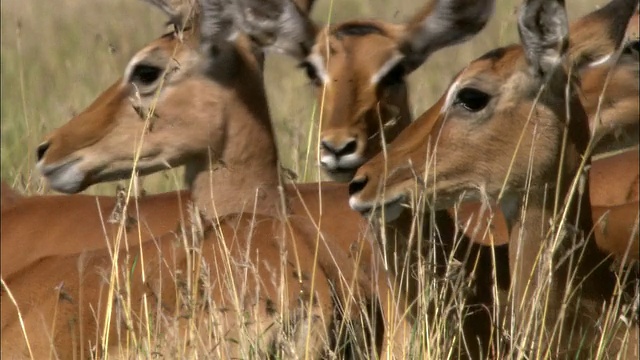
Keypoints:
pixel 339 150
pixel 356 185
pixel 41 150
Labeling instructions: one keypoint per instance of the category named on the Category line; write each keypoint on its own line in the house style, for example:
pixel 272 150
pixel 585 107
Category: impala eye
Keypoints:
pixel 311 72
pixel 395 76
pixel 145 74
pixel 472 99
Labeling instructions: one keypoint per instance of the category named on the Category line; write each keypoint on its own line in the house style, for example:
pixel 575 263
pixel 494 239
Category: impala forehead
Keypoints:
pixel 453 89
pixel 363 47
pixel 160 52
pixel 489 73
pixel 502 62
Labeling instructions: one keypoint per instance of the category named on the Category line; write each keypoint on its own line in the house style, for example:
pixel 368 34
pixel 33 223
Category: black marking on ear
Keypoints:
pixel 170 34
pixel 357 29
pixel 214 50
pixel 395 76
pixel 305 48
pixel 173 33
pixel 495 54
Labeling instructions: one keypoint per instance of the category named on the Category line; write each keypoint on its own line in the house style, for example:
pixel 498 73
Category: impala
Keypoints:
pixel 252 258
pixel 159 214
pixel 511 128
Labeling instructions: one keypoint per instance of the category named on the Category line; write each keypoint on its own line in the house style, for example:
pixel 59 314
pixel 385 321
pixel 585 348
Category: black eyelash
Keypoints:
pixel 472 99
pixel 145 74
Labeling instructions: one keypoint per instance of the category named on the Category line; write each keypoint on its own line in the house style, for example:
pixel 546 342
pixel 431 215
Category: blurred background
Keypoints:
pixel 57 56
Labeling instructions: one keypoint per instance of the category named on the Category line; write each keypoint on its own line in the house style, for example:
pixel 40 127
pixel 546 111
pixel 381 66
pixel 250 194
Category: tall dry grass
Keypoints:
pixel 54 63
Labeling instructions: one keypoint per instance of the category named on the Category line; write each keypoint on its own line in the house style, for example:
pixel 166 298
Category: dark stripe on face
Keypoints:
pixel 494 55
pixel 169 35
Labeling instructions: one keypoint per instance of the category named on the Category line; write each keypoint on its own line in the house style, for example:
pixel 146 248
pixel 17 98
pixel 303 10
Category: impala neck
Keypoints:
pixel 243 176
pixel 530 216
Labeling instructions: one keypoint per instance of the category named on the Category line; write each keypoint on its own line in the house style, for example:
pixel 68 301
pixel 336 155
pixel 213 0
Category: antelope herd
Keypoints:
pixel 525 172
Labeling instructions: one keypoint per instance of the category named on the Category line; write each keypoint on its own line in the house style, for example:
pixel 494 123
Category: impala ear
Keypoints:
pixel 181 13
pixel 440 24
pixel 217 22
pixel 305 5
pixel 278 25
pixel 544 33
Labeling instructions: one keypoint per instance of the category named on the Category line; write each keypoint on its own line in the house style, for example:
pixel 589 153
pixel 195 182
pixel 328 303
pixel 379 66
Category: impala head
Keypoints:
pixel 361 105
pixel 97 145
pixel 194 77
pixel 501 121
pixel 359 67
pixel 609 76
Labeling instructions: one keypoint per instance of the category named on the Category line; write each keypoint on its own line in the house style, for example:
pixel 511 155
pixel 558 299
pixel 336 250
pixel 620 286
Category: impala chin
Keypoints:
pixel 341 169
pixel 124 168
pixel 340 174
pixel 389 210
pixel 64 177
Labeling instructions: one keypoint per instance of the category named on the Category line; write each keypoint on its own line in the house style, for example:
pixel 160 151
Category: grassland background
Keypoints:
pixel 57 56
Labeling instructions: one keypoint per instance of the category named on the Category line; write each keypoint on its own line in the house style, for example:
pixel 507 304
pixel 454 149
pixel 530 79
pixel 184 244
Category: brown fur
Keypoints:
pixel 612 226
pixel 42 306
pixel 614 230
pixel 10 197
